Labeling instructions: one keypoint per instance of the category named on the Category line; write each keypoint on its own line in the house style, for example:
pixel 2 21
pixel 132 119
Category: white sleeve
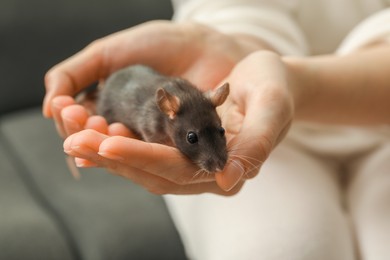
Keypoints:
pixel 375 28
pixel 272 20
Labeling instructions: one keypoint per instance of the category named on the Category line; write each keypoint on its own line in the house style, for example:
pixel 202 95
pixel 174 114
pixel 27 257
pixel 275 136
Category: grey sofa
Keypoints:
pixel 44 212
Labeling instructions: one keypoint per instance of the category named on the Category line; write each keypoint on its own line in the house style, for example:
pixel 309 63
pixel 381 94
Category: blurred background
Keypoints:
pixel 37 34
pixel 44 212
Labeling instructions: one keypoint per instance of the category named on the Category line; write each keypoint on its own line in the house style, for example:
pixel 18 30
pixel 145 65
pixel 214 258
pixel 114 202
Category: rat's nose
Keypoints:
pixel 215 165
pixel 220 166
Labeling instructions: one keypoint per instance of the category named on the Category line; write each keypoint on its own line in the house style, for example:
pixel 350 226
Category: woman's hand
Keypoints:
pixel 257 113
pixel 256 116
pixel 192 51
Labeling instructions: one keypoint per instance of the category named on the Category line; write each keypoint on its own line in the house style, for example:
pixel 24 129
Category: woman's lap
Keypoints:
pixel 291 210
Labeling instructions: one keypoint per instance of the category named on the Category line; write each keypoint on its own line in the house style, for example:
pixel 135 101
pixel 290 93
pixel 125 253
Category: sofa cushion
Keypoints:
pixel 26 227
pixel 102 216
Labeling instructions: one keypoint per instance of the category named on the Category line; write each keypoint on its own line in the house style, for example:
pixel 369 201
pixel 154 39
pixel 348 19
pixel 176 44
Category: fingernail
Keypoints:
pixel 112 156
pixel 234 171
pixel 79 163
pixel 67 151
pixel 67 144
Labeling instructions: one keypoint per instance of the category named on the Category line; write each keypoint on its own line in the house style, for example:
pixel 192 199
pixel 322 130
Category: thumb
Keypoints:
pixel 248 150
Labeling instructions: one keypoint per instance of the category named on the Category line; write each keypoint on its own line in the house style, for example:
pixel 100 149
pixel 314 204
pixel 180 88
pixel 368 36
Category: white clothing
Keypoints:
pixel 298 207
pixel 293 27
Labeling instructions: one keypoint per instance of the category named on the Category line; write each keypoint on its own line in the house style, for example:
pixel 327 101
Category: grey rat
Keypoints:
pixel 167 110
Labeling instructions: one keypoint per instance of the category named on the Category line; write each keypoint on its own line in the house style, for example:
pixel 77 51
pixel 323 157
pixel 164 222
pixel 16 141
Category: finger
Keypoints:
pixel 195 188
pixel 84 145
pixel 160 160
pixel 74 74
pixel 88 99
pixel 97 123
pixel 83 163
pixel 121 130
pixel 101 58
pixel 74 118
pixel 231 175
pixel 159 185
pixel 57 105
pixel 247 153
pixel 261 130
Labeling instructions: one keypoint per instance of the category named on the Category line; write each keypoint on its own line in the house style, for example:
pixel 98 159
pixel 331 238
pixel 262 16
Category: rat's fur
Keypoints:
pixel 164 109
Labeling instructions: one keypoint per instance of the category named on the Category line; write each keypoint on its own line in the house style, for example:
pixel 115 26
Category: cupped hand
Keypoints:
pixel 256 116
pixel 193 51
pixel 158 168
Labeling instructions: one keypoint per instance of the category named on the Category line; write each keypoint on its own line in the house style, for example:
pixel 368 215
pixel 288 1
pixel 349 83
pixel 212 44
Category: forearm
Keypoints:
pixel 351 89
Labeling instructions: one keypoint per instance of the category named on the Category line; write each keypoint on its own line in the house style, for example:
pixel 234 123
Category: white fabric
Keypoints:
pixel 295 27
pixel 375 28
pixel 324 193
pixel 290 211
pixel 300 205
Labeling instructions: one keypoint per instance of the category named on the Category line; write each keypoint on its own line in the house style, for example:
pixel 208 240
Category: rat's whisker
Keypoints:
pixel 199 174
pixel 247 158
pixel 237 165
pixel 253 165
pixel 231 146
pixel 240 168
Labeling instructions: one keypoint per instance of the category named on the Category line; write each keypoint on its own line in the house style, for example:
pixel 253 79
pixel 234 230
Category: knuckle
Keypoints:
pixel 95 44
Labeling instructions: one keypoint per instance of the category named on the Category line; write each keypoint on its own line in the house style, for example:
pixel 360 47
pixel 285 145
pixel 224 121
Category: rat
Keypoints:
pixel 168 110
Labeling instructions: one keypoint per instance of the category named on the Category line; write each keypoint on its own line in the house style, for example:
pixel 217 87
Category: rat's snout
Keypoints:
pixel 220 166
pixel 214 164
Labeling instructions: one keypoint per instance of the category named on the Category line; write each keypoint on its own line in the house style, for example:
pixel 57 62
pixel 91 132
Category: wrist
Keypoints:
pixel 299 81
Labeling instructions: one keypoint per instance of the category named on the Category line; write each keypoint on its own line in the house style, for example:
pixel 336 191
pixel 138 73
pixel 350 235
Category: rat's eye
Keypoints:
pixel 192 137
pixel 221 130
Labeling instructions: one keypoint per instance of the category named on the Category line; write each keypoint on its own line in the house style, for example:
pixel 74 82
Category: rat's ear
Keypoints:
pixel 167 103
pixel 219 95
